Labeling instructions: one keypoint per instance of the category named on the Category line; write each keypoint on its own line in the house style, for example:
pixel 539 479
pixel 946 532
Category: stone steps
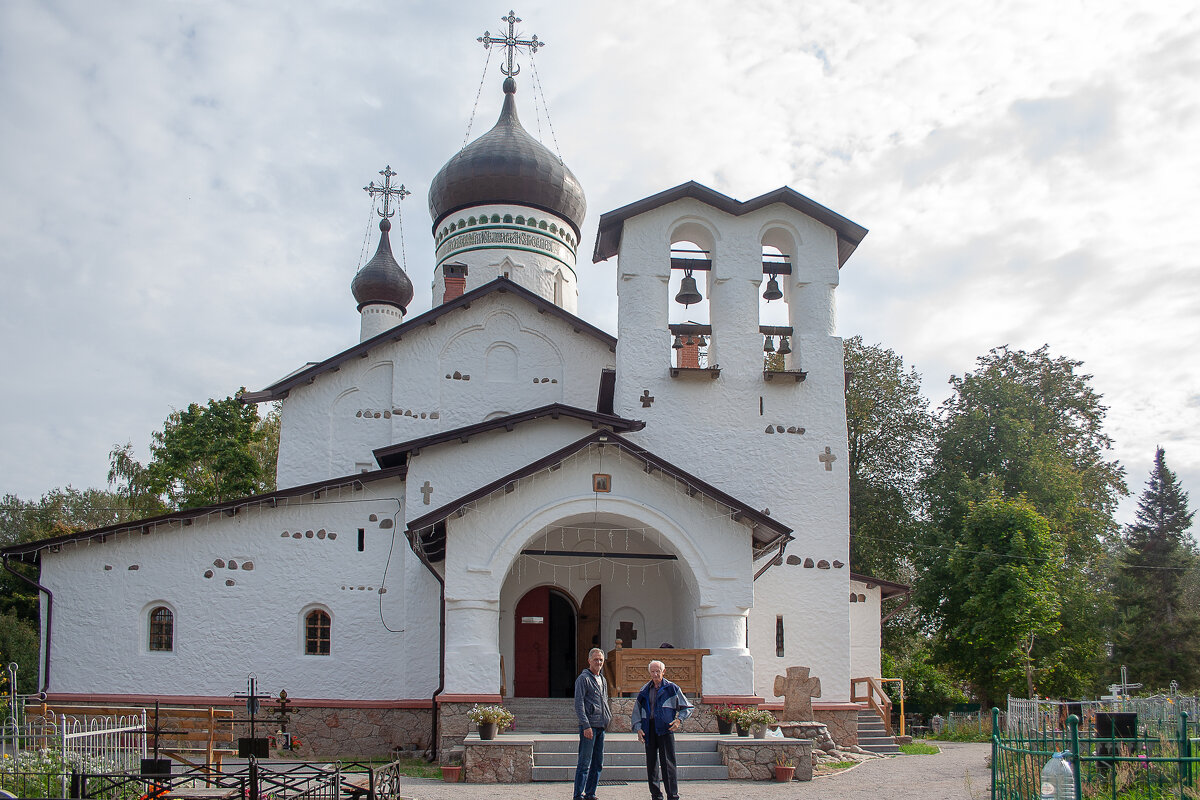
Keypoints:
pixel 625 759
pixel 873 737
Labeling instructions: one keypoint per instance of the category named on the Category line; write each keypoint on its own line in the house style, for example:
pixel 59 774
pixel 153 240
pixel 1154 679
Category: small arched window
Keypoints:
pixel 162 630
pixel 316 633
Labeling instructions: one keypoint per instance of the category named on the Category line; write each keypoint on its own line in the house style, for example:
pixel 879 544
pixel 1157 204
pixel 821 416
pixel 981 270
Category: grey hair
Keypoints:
pixel 656 661
pixel 593 651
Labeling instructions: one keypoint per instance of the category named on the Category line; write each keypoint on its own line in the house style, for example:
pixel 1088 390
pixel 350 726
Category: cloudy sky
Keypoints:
pixel 181 209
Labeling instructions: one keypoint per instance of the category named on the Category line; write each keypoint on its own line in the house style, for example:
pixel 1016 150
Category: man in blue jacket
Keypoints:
pixel 660 710
pixel 591 707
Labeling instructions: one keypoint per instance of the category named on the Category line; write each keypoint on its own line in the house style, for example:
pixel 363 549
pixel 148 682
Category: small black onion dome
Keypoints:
pixel 381 280
pixel 507 165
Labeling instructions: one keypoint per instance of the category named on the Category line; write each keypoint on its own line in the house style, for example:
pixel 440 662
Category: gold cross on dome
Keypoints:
pixel 510 43
pixel 387 190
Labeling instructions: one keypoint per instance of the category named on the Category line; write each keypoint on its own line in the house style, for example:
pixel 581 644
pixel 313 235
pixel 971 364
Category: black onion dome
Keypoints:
pixel 381 280
pixel 507 165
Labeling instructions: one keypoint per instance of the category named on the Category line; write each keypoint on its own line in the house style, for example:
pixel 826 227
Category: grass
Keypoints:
pixel 414 768
pixel 839 765
pixel 971 730
pixel 918 748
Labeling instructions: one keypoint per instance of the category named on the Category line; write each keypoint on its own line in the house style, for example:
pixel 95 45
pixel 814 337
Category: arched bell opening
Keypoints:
pixel 774 316
pixel 692 257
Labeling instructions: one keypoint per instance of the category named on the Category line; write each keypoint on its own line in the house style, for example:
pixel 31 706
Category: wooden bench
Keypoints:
pixel 198 737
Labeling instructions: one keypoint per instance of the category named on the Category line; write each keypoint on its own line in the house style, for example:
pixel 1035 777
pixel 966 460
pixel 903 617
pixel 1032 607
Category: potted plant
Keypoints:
pixel 741 720
pixel 757 720
pixel 490 720
pixel 452 773
pixel 726 714
pixel 784 769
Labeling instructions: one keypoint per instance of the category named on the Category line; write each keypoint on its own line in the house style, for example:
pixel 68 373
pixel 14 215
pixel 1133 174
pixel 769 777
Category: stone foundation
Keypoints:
pixel 507 759
pixel 750 759
pixel 354 733
pixel 842 724
pixel 702 720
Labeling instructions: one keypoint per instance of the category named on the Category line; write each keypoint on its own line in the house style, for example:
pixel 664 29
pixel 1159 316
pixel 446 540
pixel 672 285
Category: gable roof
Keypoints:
pixel 767 533
pixel 397 454
pixel 187 515
pixel 309 373
pixel 608 239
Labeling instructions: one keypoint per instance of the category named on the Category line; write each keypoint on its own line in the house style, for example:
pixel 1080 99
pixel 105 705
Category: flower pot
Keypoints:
pixel 451 774
pixel 742 730
pixel 784 774
pixel 487 730
pixel 760 731
pixel 724 726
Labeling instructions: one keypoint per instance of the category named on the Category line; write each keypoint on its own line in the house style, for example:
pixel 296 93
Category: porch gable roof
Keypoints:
pixel 396 454
pixel 767 533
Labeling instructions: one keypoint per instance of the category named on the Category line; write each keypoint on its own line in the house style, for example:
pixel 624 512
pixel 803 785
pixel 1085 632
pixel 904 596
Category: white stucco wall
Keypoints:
pixel 104 591
pixel 865 642
pixel 506 356
pixel 727 419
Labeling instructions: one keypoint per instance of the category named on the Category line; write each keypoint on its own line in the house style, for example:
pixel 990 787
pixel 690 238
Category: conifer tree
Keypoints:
pixel 1157 634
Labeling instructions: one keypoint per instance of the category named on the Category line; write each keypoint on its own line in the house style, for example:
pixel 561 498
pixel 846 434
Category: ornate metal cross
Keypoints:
pixel 387 190
pixel 510 43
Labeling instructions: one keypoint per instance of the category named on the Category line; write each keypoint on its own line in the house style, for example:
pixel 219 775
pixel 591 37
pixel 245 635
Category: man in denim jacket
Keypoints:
pixel 660 710
pixel 591 707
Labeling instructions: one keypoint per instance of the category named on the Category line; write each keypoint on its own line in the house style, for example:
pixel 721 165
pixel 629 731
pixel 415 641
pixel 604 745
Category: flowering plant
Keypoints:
pixel 728 712
pixel 750 717
pixel 500 715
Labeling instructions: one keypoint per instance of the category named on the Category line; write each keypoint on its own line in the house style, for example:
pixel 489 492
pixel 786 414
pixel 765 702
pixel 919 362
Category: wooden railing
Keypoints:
pixel 875 697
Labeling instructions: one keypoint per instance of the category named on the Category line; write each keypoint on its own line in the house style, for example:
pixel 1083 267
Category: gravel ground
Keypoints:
pixel 959 772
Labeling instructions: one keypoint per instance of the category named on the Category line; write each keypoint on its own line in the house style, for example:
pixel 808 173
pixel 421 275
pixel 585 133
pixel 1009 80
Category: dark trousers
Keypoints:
pixel 589 763
pixel 660 752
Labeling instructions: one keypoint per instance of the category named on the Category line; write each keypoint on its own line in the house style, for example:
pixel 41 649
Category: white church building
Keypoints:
pixel 473 497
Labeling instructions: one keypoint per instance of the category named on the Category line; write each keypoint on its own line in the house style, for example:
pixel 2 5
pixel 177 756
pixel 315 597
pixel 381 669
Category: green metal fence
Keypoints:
pixel 1156 764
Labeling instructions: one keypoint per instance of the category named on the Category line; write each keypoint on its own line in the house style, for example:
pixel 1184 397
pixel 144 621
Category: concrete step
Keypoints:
pixel 633 774
pixel 627 759
pixel 624 745
pixel 873 737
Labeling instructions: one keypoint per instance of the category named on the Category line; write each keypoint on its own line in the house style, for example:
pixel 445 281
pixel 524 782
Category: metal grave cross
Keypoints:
pixel 797 690
pixel 387 190
pixel 510 43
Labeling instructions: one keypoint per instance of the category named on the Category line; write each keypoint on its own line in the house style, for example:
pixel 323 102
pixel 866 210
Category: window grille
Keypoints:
pixel 316 633
pixel 162 629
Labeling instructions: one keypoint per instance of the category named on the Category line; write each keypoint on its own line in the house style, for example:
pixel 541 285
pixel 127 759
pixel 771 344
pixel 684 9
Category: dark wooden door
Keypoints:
pixel 531 644
pixel 588 631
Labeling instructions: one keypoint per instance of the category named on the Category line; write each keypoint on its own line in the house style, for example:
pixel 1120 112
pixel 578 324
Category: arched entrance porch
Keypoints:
pixel 621 580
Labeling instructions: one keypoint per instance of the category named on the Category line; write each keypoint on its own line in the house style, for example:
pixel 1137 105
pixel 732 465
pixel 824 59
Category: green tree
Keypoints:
pixel 889 431
pixel 1028 425
pixel 1005 598
pixel 1157 633
pixel 19 643
pixel 203 455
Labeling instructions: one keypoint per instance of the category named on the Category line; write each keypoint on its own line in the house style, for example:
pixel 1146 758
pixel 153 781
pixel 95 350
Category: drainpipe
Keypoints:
pixel 50 617
pixel 414 541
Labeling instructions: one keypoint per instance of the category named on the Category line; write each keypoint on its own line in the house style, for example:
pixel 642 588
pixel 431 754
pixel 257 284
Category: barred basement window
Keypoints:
pixel 162 629
pixel 316 633
pixel 779 636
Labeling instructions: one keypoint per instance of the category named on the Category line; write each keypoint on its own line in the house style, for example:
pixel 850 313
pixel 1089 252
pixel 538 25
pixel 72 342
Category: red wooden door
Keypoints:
pixel 531 644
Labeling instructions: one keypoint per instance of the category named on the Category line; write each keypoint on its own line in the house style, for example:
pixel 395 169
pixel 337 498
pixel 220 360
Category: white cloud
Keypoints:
pixel 181 211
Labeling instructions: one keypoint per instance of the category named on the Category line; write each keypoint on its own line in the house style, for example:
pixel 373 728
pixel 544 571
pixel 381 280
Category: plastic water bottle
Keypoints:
pixel 1058 781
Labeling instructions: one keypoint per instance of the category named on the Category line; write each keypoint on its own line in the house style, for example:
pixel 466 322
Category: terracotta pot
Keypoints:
pixel 451 774
pixel 724 726
pixel 487 730
pixel 784 774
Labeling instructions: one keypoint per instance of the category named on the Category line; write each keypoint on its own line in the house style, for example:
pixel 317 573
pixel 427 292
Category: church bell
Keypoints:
pixel 688 293
pixel 772 292
pixel 785 346
pixel 769 346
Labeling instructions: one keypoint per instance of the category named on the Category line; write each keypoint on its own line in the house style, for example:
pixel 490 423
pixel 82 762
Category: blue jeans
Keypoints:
pixel 591 761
